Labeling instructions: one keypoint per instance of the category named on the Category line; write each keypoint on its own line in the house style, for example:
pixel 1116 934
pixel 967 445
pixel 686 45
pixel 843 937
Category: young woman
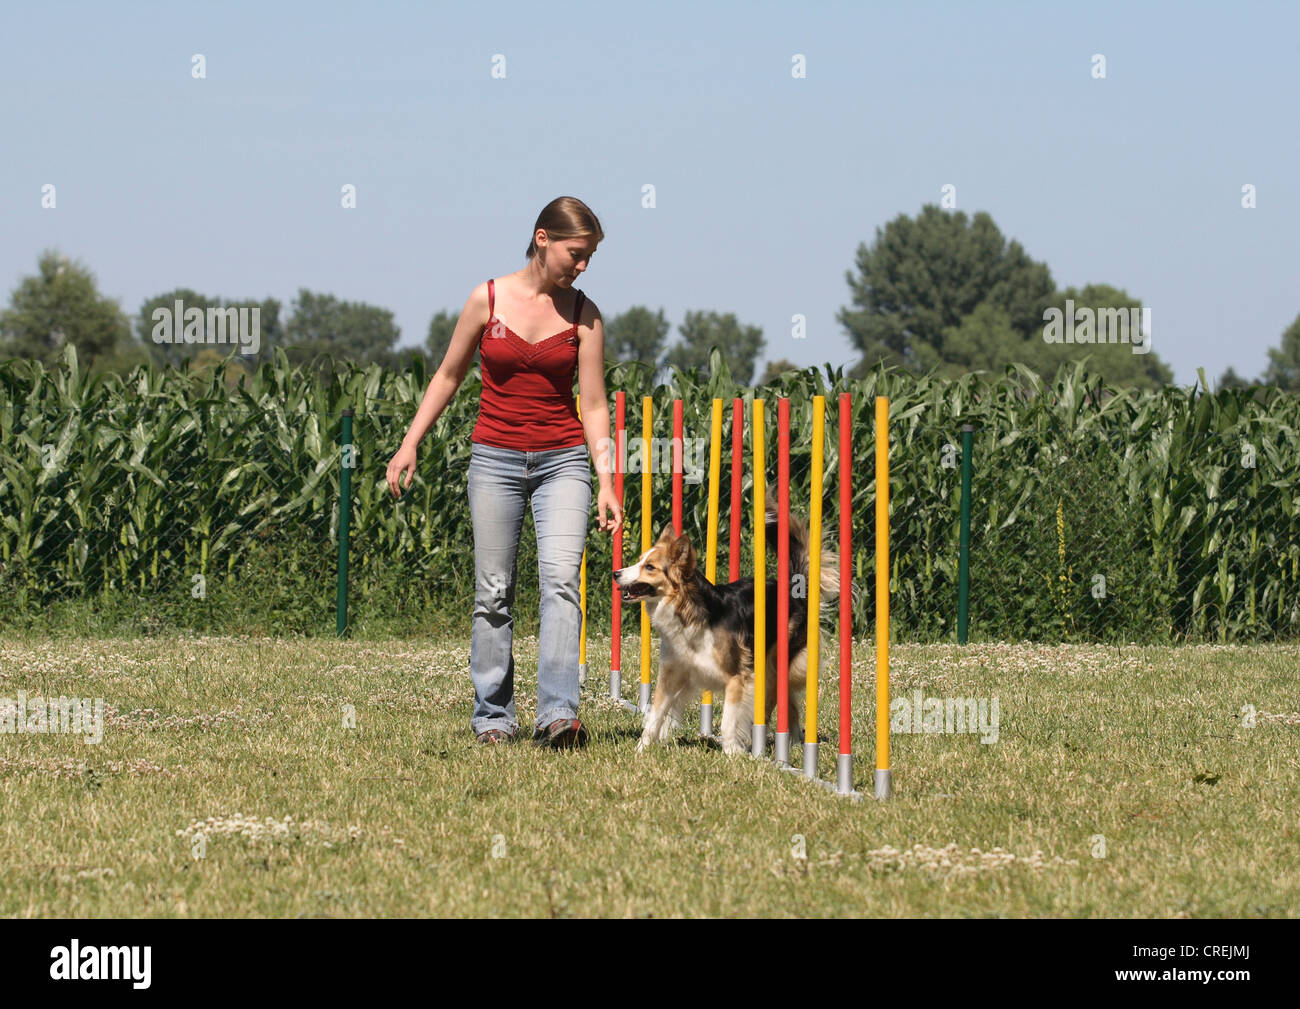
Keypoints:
pixel 533 330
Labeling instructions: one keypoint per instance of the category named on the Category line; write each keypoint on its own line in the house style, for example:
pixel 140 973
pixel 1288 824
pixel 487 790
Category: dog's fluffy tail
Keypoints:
pixel 800 549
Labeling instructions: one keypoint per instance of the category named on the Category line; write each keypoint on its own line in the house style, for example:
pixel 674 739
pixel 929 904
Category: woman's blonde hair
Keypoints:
pixel 563 218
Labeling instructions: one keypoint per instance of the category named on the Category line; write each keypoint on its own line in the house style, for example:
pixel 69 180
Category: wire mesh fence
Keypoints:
pixel 177 499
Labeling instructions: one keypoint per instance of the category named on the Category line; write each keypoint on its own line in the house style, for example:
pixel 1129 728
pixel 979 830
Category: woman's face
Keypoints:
pixel 568 259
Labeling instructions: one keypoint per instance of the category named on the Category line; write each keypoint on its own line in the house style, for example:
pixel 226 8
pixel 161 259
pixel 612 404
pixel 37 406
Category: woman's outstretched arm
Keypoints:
pixel 442 387
pixel 595 417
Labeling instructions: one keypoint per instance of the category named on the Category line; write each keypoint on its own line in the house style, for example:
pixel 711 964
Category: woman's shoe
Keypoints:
pixel 562 734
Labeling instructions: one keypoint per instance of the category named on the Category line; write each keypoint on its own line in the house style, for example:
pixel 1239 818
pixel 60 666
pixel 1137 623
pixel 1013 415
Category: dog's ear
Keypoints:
pixel 683 556
pixel 667 536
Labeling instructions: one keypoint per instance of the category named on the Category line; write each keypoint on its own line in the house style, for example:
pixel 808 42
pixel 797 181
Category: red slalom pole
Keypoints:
pixel 737 447
pixel 616 630
pixel 844 770
pixel 782 750
pixel 615 652
pixel 678 434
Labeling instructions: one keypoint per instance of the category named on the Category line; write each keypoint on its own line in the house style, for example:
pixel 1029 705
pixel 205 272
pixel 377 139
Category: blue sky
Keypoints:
pixel 765 184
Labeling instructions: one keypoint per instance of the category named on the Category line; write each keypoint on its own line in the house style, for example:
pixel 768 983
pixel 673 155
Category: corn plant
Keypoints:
pixel 1098 514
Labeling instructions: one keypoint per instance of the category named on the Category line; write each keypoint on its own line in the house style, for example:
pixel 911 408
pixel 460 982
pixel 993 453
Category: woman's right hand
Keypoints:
pixel 402 462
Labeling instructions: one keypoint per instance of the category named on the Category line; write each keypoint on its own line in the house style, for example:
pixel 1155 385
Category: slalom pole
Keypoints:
pixel 759 741
pixel 711 541
pixel 844 766
pixel 814 593
pixel 582 592
pixel 963 542
pixel 616 645
pixel 677 467
pixel 737 464
pixel 348 459
pixel 883 783
pixel 646 408
pixel 781 753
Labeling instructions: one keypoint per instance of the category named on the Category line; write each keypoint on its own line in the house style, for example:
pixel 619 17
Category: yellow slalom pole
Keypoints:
pixel 759 740
pixel 883 783
pixel 582 593
pixel 814 588
pixel 711 542
pixel 646 406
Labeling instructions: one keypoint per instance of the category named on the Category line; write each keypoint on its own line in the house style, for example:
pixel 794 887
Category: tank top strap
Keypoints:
pixel 577 309
pixel 492 294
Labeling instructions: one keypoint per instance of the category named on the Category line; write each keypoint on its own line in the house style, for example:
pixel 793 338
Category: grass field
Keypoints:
pixel 1122 783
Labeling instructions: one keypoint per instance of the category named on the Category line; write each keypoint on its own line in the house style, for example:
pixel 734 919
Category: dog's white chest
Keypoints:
pixel 689 647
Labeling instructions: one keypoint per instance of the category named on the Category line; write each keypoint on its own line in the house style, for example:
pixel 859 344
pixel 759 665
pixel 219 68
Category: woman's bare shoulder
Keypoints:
pixel 476 305
pixel 588 314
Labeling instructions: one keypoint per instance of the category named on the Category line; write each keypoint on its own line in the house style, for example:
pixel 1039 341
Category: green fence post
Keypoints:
pixel 963 555
pixel 345 509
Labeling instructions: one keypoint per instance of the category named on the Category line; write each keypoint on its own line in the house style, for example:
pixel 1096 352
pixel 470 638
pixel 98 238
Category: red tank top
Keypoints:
pixel 527 399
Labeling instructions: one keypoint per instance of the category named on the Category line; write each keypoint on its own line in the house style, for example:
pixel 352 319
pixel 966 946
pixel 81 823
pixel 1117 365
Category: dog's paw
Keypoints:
pixel 734 743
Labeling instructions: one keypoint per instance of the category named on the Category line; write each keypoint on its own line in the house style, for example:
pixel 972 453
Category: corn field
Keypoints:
pixel 172 498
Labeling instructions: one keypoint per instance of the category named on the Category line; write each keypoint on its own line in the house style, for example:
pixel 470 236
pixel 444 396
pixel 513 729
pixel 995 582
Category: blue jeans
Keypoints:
pixel 558 483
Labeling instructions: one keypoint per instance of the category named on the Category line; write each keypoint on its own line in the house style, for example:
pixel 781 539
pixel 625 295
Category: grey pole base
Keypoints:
pixel 830 787
pixel 843 785
pixel 645 697
pixel 781 754
pixel 844 774
pixel 706 719
pixel 883 785
pixel 616 690
pixel 582 673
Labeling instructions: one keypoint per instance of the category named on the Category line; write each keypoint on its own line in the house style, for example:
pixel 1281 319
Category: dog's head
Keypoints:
pixel 661 571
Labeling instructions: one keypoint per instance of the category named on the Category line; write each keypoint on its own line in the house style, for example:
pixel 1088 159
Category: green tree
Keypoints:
pixel 775 368
pixel 739 345
pixel 148 323
pixel 441 328
pixel 61 304
pixel 1231 380
pixel 1284 362
pixel 1115 362
pixel 399 358
pixel 637 335
pixel 921 278
pixel 129 355
pixel 985 341
pixel 346 330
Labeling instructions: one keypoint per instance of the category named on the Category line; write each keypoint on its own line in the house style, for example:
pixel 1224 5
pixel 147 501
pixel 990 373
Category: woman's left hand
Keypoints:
pixel 607 500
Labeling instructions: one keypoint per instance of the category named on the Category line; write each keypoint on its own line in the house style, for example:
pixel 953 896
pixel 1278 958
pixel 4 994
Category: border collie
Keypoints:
pixel 707 631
